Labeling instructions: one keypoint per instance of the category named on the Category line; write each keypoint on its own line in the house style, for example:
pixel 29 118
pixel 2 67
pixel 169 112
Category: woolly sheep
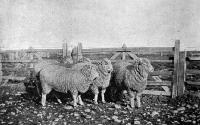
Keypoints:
pixel 131 77
pixel 104 69
pixel 64 79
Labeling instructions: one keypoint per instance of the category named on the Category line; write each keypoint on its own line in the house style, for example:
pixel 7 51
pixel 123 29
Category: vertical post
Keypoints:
pixel 74 54
pixel 124 53
pixel 79 52
pixel 182 70
pixel 176 68
pixel 65 49
pixel 1 74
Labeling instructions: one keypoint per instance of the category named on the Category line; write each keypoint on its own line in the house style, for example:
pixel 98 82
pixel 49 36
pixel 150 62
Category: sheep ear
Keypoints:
pixel 86 70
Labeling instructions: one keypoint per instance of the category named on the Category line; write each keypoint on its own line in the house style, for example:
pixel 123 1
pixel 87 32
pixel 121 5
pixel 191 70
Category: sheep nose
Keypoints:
pixel 109 71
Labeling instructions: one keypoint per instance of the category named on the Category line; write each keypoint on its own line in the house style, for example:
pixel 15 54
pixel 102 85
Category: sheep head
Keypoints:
pixel 89 72
pixel 141 68
pixel 146 64
pixel 105 66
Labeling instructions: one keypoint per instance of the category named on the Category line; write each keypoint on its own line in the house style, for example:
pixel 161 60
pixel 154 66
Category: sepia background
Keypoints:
pixel 99 23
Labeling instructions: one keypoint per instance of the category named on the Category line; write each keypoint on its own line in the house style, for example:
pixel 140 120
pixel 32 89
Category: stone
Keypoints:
pixel 154 113
pixel 136 122
pixel 68 107
pixel 117 106
pixel 87 110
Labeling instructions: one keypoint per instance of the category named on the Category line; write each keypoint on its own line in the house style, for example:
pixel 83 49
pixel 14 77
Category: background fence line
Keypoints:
pixel 158 55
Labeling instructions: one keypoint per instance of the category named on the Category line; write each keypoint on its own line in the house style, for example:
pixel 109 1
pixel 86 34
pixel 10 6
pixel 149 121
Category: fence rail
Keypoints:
pixel 171 55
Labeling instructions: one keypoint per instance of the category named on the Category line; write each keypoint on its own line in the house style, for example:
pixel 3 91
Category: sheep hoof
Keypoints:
pixel 81 104
pixel 96 103
pixel 103 101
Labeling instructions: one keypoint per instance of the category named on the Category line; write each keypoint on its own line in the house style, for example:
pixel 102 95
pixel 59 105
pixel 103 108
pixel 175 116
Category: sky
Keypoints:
pixel 99 23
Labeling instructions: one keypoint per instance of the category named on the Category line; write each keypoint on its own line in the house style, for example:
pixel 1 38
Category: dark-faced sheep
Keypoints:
pixel 64 79
pixel 131 77
pixel 104 69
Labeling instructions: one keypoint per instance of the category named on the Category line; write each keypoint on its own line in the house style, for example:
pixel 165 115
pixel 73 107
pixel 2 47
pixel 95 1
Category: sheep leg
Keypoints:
pixel 96 93
pixel 138 95
pixel 46 90
pixel 132 98
pixel 80 100
pixel 43 99
pixel 75 98
pixel 102 95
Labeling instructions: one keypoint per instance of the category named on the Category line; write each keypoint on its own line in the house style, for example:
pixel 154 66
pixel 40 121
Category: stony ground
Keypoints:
pixel 24 109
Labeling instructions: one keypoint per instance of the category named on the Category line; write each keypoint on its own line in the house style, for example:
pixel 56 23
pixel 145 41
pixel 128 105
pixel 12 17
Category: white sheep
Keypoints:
pixel 64 79
pixel 131 77
pixel 104 69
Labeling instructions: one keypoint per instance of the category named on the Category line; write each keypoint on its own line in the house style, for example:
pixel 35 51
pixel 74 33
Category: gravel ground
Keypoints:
pixel 24 109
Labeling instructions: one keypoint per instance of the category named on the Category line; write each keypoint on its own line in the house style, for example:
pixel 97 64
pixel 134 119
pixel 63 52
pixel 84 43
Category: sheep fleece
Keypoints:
pixel 62 80
pixel 130 76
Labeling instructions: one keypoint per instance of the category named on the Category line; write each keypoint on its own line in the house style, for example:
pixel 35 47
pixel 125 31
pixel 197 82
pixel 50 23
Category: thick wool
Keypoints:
pixel 104 68
pixel 64 79
pixel 131 77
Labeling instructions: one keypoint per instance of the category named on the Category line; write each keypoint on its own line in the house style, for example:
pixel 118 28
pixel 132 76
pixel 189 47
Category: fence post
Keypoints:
pixel 176 69
pixel 65 49
pixel 182 71
pixel 124 53
pixel 79 52
pixel 1 74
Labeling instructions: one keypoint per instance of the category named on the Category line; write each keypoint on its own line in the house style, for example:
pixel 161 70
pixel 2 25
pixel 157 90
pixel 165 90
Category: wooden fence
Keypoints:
pixel 191 69
pixel 168 80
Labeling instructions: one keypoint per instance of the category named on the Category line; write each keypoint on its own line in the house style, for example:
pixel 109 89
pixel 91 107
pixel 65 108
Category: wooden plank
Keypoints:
pixel 18 61
pixel 150 49
pixel 123 55
pixel 182 69
pixel 176 68
pixel 14 78
pixel 192 71
pixel 133 56
pixel 157 78
pixel 162 61
pixel 161 72
pixel 194 58
pixel 155 92
pixel 163 83
pixel 79 52
pixel 65 49
pixel 165 88
pixel 115 55
pixel 131 49
pixel 193 82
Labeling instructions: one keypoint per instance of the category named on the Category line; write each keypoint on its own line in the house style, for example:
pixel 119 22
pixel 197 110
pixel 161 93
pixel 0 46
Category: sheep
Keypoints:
pixel 104 69
pixel 64 79
pixel 131 77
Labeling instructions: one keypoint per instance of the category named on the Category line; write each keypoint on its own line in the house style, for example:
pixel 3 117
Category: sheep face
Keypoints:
pixel 106 66
pixel 147 64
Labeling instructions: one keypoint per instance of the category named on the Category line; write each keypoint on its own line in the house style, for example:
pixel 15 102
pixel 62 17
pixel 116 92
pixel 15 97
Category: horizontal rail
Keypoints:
pixel 131 49
pixel 194 58
pixel 155 92
pixel 14 78
pixel 164 61
pixel 193 82
pixel 161 72
pixel 163 83
pixel 19 61
pixel 192 71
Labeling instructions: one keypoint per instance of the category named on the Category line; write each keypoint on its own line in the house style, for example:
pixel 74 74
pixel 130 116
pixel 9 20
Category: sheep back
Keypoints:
pixel 130 76
pixel 63 79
